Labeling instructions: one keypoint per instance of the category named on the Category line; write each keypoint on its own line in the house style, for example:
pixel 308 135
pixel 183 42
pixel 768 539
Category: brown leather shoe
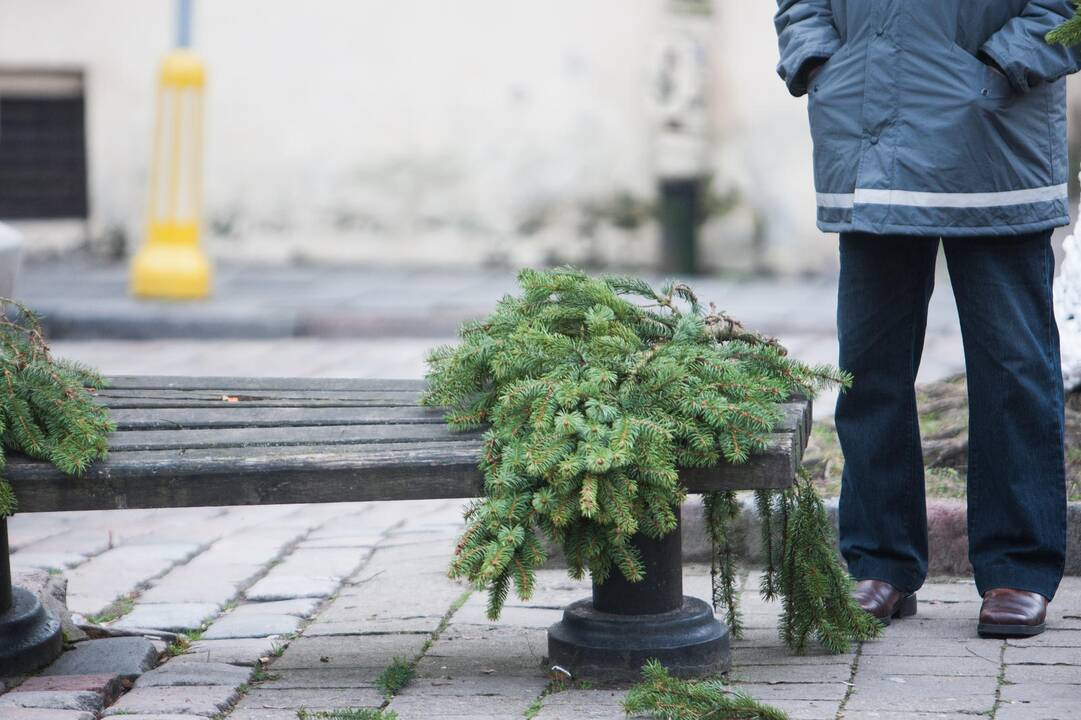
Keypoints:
pixel 883 600
pixel 1009 613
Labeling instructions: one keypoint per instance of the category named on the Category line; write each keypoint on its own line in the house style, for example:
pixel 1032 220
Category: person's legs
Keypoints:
pixel 1016 465
pixel 884 287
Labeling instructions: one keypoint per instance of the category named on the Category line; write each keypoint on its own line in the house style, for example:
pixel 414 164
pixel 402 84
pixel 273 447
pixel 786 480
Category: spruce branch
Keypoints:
pixel 816 587
pixel 46 407
pixel 1069 32
pixel 660 695
pixel 596 391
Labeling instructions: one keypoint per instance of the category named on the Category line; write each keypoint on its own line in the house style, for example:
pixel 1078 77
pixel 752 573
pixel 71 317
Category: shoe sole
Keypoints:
pixel 990 630
pixel 906 607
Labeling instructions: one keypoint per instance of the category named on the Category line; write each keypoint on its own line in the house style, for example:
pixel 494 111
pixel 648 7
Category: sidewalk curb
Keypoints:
pixel 947 533
pixel 176 321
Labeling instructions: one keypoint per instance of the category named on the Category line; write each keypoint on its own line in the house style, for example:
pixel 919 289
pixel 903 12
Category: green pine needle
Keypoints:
pixel 46 409
pixel 815 587
pixel 8 503
pixel 662 696
pixel 595 392
pixel 1069 32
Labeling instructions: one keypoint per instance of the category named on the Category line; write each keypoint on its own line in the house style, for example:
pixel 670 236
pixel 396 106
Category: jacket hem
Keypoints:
pixel 958 231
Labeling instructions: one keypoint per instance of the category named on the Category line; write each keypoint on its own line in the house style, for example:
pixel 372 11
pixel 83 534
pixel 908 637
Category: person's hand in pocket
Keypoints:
pixel 814 66
pixel 990 62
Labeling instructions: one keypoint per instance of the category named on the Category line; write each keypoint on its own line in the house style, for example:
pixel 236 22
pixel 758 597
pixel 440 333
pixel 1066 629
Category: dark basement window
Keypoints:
pixel 42 146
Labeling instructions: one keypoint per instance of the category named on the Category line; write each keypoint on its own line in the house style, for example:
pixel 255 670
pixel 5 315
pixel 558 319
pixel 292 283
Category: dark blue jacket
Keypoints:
pixel 914 130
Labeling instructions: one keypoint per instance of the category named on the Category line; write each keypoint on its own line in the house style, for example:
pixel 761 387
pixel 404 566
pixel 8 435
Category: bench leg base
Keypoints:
pixel 30 635
pixel 600 646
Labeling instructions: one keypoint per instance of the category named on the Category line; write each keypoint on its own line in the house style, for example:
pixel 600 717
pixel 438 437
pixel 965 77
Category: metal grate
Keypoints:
pixel 42 157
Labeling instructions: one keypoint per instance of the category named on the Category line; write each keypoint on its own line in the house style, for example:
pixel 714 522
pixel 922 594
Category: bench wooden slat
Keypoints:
pixel 157 431
pixel 235 416
pixel 295 440
pixel 245 476
pixel 129 440
pixel 234 384
pixel 125 399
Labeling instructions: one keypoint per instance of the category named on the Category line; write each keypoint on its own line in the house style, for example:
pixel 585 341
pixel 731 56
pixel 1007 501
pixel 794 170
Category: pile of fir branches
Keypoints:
pixel 46 410
pixel 595 392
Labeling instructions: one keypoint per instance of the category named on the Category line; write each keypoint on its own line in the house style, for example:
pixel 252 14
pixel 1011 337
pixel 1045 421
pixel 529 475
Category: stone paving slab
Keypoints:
pixel 924 694
pixel 12 713
pixel 85 540
pixel 355 542
pixel 893 665
pixel 373 652
pixel 262 714
pixel 1044 711
pixel 240 651
pixel 583 704
pixel 1040 693
pixel 47 560
pixel 826 692
pixel 188 674
pixel 207 701
pixel 126 567
pixel 1054 636
pixel 311 699
pixel 200 584
pixel 411 625
pixel 475 612
pixel 330 562
pixel 419 705
pixel 744 653
pixel 309 678
pixel 791 674
pixel 107 686
pixel 1055 674
pixel 291 587
pixel 480 651
pixel 251 626
pixel 301 608
pixel 894 643
pixel 880 715
pixel 156 716
pixel 174 617
pixel 52 700
pixel 1042 655
pixel 128 657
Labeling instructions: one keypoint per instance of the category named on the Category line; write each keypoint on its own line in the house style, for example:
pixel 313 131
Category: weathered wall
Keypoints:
pixel 433 131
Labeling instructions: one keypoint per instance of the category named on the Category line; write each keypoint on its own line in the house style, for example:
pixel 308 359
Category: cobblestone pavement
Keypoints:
pixel 327 596
pixel 331 595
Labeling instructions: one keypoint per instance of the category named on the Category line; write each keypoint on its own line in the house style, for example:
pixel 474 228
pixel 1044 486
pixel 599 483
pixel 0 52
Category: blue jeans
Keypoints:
pixel 1016 458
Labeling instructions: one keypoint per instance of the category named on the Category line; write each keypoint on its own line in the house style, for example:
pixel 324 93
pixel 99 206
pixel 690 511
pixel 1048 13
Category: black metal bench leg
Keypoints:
pixel 29 634
pixel 611 635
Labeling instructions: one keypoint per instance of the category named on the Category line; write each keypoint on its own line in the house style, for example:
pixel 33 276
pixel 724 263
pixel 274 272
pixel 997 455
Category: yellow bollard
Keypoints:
pixel 171 264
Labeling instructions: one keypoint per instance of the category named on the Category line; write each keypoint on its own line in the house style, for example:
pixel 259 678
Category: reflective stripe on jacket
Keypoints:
pixel 915 132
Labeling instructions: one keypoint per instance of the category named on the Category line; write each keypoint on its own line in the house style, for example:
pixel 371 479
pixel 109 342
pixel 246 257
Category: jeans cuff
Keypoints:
pixel 906 582
pixel 1043 583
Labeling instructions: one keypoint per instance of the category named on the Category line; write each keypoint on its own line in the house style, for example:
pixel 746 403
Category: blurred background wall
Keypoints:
pixel 423 132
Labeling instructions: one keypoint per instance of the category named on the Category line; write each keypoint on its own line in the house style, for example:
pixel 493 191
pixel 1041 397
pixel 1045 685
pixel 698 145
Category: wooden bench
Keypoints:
pixel 216 441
